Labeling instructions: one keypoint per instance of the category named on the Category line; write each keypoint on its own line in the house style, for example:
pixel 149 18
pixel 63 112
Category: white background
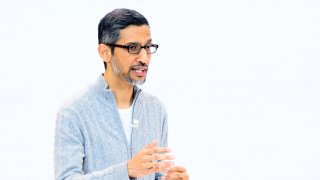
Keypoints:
pixel 240 80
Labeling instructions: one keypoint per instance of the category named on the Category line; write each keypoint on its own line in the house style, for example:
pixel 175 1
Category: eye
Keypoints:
pixel 148 46
pixel 133 47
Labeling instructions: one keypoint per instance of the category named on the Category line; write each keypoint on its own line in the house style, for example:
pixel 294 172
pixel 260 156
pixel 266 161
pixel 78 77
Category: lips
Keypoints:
pixel 139 70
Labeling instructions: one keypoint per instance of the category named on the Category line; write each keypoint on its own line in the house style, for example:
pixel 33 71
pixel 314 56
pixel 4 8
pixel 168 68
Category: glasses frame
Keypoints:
pixel 129 45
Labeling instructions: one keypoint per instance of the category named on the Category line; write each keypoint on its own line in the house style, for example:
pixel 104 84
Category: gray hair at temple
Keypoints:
pixel 112 23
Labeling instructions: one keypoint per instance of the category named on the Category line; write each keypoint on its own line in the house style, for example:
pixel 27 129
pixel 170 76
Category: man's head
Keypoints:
pixel 125 44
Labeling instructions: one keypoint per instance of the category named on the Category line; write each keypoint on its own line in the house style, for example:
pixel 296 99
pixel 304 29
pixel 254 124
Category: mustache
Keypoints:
pixel 140 65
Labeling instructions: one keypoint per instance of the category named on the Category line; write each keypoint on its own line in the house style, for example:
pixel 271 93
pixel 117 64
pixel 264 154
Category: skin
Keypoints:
pixel 176 172
pixel 150 159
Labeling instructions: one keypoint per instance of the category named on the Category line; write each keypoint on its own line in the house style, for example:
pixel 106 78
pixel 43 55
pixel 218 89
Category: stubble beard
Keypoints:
pixel 123 75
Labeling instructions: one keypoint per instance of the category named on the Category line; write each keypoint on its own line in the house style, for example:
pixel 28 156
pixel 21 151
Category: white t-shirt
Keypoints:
pixel 126 119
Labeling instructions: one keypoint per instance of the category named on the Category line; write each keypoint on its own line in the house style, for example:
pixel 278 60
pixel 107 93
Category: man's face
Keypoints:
pixel 132 67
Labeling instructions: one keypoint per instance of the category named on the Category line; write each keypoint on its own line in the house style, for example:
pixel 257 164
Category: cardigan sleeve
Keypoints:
pixel 69 154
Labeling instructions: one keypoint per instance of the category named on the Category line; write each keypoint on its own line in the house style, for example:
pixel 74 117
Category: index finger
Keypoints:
pixel 161 150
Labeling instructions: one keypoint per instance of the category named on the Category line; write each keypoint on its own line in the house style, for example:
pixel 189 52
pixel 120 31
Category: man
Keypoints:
pixel 113 130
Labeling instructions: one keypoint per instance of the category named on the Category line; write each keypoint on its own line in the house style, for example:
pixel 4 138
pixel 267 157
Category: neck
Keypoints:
pixel 122 89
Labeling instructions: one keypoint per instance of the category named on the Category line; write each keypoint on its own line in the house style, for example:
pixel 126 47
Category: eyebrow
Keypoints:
pixel 149 41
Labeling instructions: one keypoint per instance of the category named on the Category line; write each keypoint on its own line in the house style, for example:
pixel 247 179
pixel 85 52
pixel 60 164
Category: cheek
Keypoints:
pixel 126 66
pixel 123 63
pixel 149 59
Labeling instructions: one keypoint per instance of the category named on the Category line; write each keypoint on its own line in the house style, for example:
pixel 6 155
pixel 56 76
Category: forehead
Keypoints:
pixel 135 34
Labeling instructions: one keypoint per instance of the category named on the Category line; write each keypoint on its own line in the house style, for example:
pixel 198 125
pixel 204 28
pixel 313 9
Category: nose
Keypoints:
pixel 143 57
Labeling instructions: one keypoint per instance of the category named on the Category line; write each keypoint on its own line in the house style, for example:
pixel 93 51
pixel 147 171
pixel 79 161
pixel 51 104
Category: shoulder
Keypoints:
pixel 152 101
pixel 151 98
pixel 77 103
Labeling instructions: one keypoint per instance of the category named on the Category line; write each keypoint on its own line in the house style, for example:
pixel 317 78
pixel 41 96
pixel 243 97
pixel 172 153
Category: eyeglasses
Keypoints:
pixel 136 48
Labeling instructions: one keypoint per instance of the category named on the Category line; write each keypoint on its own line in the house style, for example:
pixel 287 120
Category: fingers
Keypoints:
pixel 160 157
pixel 150 159
pixel 161 150
pixel 151 145
pixel 175 173
pixel 177 169
pixel 176 176
pixel 159 166
pixel 151 150
pixel 152 153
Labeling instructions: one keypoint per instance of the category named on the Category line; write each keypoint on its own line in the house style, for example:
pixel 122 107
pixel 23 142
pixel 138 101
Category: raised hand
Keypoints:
pixel 150 159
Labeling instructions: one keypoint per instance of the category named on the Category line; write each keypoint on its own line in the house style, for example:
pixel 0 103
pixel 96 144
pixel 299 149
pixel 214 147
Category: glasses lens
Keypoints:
pixel 134 48
pixel 151 48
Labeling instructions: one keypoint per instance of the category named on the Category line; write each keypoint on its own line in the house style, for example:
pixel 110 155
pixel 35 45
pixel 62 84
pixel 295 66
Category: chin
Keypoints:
pixel 139 82
pixel 135 81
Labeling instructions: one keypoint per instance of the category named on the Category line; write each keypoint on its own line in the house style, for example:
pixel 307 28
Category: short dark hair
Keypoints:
pixel 116 20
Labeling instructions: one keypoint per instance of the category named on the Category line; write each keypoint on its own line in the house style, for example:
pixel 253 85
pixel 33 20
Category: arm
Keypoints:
pixel 69 154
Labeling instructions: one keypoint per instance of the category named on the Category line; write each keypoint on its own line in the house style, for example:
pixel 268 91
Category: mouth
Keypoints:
pixel 139 71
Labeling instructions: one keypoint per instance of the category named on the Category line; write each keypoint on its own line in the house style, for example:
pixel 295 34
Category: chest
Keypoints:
pixel 105 141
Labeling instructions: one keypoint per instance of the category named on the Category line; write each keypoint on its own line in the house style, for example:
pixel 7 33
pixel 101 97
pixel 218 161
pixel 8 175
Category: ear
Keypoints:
pixel 105 52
